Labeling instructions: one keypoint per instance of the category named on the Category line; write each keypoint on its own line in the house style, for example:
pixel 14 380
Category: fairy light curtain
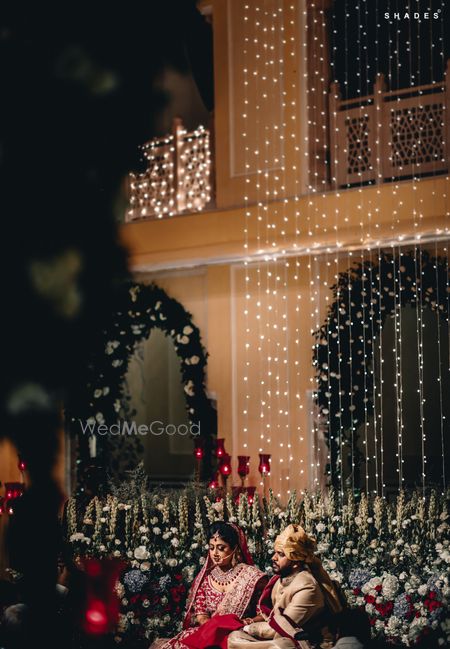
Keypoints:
pixel 283 404
pixel 368 438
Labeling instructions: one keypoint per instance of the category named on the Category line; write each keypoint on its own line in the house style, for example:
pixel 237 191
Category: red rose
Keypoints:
pixel 356 591
pixel 378 588
pixel 370 599
pixel 175 595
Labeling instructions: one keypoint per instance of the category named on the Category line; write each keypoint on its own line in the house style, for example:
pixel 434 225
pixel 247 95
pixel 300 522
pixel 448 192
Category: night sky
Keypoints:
pixel 408 52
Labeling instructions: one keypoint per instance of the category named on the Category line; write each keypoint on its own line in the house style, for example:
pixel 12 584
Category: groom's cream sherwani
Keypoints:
pixel 297 602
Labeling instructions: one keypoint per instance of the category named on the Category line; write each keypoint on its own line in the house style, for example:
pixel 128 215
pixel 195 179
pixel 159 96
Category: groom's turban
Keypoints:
pixel 296 544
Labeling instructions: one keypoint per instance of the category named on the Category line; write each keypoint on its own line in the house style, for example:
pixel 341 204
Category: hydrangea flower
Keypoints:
pixel 135 580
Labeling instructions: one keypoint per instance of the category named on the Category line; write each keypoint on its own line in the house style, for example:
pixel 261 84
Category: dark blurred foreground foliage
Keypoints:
pixel 77 101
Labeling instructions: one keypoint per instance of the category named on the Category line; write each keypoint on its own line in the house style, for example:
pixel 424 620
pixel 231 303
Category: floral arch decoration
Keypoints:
pixel 140 308
pixel 364 297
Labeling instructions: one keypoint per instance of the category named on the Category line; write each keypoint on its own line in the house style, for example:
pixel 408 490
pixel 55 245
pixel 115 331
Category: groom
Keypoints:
pixel 292 604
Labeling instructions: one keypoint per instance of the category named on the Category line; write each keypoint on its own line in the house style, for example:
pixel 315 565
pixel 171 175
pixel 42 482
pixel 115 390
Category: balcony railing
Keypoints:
pixel 391 134
pixel 178 176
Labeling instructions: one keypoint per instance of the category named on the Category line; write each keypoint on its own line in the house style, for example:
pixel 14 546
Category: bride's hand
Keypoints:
pixel 248 620
pixel 201 619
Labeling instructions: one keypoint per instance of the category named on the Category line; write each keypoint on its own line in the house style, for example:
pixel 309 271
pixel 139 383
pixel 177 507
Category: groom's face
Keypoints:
pixel 281 565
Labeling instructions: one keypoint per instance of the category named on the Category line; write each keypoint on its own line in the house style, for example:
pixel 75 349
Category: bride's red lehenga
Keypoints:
pixel 246 584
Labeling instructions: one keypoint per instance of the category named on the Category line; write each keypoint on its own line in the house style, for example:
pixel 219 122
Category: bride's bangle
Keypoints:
pixel 203 617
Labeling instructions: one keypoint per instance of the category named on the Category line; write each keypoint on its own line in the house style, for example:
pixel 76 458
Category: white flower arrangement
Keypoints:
pixel 400 573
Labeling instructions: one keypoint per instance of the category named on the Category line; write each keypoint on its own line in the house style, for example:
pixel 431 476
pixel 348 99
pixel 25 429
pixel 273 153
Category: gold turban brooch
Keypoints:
pixel 295 543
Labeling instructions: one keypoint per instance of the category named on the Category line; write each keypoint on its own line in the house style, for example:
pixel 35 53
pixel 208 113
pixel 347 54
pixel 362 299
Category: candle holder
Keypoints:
pixel 248 491
pixel 214 482
pixel 225 469
pixel 198 454
pixel 250 494
pixel 220 447
pixel 13 491
pixel 243 467
pixel 264 468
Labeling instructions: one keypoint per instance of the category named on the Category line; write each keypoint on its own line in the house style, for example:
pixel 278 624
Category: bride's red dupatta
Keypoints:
pixel 214 633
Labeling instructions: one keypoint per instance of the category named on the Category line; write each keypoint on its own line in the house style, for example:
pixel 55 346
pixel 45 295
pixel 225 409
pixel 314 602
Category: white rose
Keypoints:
pixel 156 531
pixel 141 553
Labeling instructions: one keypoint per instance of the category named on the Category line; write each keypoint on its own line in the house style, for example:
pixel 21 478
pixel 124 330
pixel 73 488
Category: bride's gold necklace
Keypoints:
pixel 224 578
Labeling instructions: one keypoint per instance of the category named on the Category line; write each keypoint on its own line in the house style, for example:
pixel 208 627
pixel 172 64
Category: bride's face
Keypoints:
pixel 220 551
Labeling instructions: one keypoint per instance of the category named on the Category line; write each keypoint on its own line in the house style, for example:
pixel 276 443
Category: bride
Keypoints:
pixel 228 584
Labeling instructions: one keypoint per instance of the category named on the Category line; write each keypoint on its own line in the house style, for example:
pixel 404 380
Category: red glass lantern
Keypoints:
pixel 225 465
pixel 100 612
pixel 214 483
pixel 13 490
pixel 243 467
pixel 198 452
pixel 248 491
pixel 21 465
pixel 220 447
pixel 250 494
pixel 264 464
